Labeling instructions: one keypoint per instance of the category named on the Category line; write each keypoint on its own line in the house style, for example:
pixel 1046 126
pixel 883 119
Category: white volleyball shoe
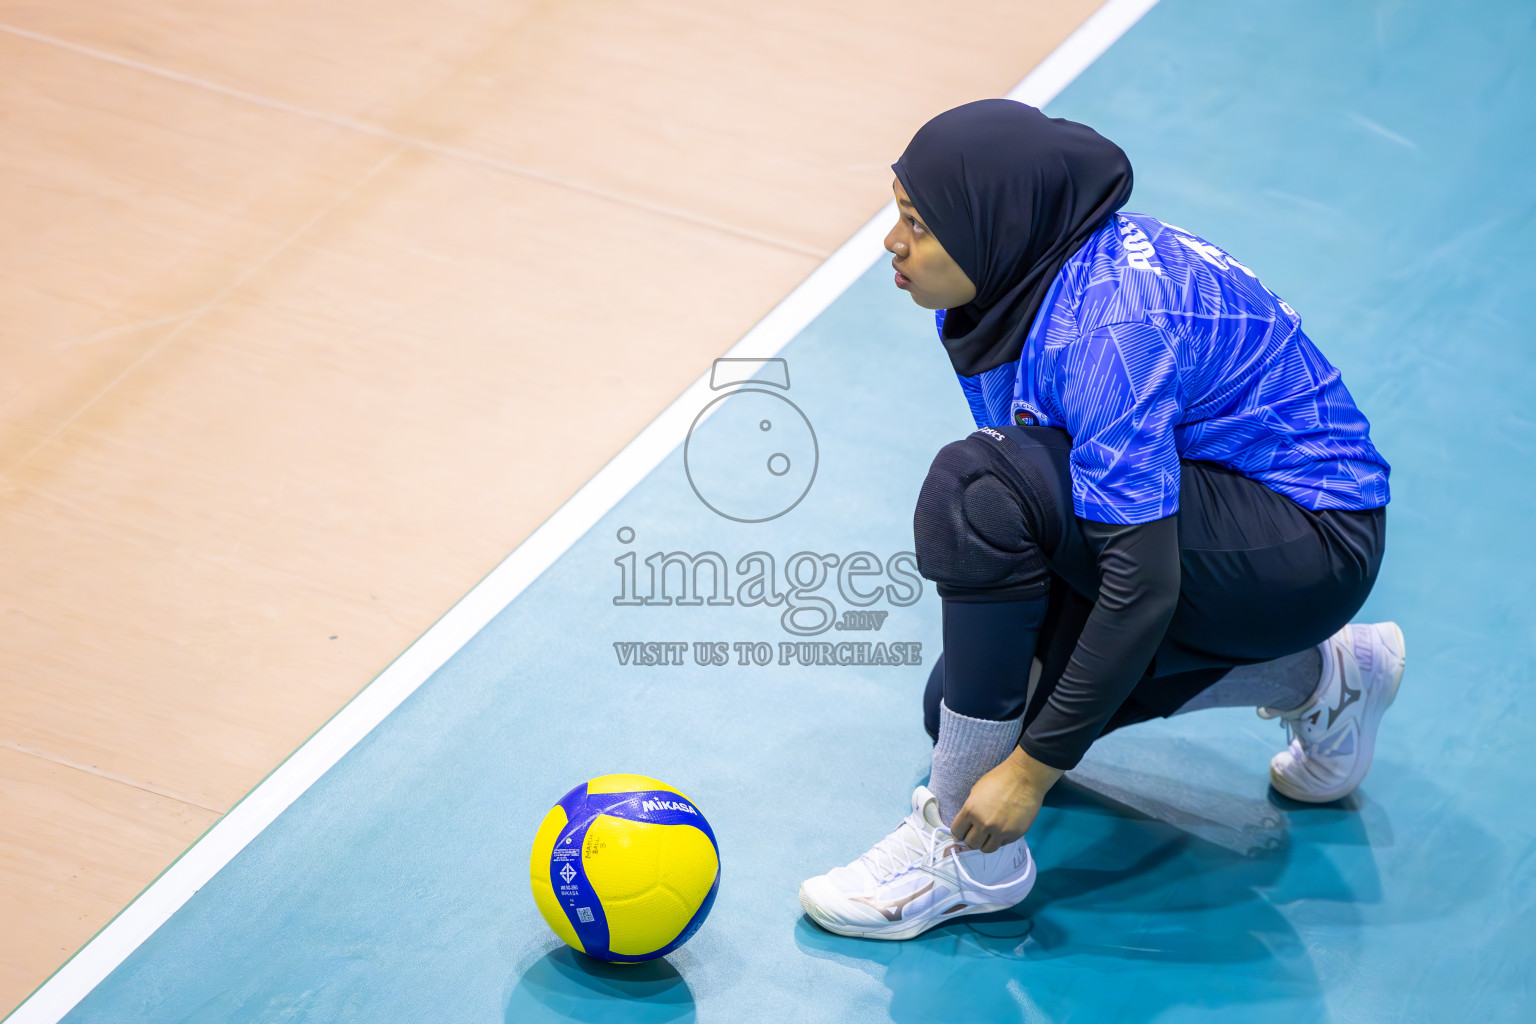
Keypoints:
pixel 1333 735
pixel 915 878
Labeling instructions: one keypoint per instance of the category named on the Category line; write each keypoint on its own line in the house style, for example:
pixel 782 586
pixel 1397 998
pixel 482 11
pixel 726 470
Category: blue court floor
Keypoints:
pixel 1373 163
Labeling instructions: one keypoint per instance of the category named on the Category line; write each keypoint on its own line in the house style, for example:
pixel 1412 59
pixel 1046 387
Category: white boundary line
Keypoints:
pixel 219 845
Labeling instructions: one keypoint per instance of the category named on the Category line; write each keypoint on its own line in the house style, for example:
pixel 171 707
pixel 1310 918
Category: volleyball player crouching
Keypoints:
pixel 1171 503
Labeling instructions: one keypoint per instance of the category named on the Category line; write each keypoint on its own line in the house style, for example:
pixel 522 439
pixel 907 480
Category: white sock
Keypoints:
pixel 968 748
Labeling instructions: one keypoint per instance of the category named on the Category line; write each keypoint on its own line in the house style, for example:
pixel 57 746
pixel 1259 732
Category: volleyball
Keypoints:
pixel 624 868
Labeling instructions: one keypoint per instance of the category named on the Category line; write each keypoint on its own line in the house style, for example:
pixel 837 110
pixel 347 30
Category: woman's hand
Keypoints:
pixel 1003 803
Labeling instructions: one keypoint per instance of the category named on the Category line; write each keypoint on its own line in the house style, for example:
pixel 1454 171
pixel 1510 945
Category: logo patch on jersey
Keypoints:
pixel 1026 415
pixel 1139 254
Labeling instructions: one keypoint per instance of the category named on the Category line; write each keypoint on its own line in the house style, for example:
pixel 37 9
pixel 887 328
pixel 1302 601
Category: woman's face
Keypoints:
pixel 923 269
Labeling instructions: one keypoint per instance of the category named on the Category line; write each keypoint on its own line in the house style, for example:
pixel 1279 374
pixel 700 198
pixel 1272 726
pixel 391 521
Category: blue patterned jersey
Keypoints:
pixel 1154 345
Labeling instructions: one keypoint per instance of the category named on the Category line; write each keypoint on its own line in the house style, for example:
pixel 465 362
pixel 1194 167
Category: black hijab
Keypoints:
pixel 1011 194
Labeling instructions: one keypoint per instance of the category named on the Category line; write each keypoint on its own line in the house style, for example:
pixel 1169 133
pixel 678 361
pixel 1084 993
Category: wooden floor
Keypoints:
pixel 309 313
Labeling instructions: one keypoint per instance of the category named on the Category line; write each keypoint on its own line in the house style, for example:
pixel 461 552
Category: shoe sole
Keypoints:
pixel 903 930
pixel 1380 700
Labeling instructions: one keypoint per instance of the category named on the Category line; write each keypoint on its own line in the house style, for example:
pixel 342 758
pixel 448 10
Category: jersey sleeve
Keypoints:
pixel 1118 390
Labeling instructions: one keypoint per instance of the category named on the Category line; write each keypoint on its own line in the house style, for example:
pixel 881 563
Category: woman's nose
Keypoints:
pixel 898 249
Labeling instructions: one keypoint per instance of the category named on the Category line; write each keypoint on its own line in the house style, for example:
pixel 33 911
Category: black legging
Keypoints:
pixel 1260 578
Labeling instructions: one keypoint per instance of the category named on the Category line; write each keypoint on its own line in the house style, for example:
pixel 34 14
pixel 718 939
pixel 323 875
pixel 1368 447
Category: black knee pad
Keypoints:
pixel 984 520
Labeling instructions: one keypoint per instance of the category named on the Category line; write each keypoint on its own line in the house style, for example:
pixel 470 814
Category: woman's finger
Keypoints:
pixel 961 825
pixel 979 836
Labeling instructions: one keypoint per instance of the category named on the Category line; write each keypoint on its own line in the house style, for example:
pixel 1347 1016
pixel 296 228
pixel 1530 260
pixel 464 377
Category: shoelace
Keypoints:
pixel 900 854
pixel 896 852
pixel 1288 721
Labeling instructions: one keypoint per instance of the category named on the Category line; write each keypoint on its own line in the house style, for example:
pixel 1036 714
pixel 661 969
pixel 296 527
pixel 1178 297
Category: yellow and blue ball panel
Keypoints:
pixel 625 868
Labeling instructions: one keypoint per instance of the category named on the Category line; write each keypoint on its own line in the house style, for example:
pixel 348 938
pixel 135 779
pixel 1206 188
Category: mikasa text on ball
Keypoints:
pixel 625 868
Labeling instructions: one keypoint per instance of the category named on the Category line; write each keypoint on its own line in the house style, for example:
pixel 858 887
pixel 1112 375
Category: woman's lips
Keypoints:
pixel 901 279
